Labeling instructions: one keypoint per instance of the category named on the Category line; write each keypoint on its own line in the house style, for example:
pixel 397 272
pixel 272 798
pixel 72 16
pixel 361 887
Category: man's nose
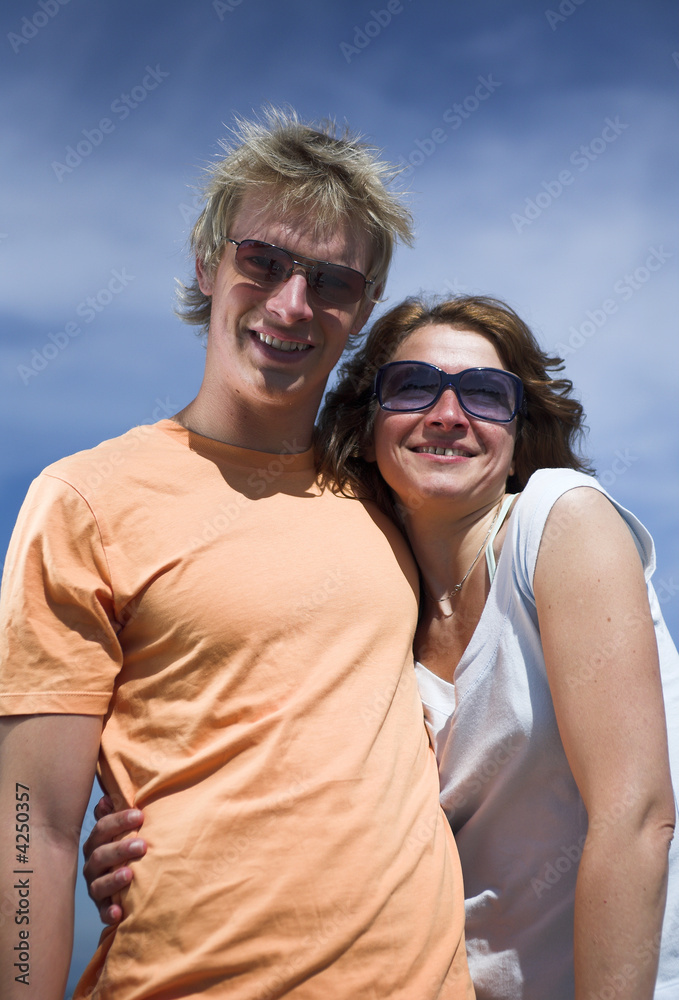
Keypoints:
pixel 290 299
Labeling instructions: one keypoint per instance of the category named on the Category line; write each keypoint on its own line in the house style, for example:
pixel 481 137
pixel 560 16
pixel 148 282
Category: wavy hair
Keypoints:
pixel 549 430
pixel 336 179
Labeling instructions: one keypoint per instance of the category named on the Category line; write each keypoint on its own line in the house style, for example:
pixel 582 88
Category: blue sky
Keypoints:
pixel 540 142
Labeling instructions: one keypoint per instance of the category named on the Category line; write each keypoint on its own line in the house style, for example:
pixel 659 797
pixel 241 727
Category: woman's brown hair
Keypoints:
pixel 549 429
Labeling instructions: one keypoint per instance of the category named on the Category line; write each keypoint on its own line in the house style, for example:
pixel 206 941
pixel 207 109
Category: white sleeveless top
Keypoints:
pixel 506 786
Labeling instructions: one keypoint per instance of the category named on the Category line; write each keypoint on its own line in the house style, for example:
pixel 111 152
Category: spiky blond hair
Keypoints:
pixel 334 179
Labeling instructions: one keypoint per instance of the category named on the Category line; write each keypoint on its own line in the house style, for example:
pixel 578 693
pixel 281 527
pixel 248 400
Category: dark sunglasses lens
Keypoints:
pixel 408 387
pixel 337 284
pixel 331 282
pixel 488 394
pixel 262 261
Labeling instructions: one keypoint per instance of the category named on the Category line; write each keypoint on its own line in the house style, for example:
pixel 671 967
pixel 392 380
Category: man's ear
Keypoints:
pixel 205 281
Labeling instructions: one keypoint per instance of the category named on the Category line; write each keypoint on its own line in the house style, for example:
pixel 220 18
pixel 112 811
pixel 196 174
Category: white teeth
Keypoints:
pixel 448 452
pixel 282 345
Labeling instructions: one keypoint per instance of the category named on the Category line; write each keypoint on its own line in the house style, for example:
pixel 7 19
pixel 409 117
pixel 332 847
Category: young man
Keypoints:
pixel 233 645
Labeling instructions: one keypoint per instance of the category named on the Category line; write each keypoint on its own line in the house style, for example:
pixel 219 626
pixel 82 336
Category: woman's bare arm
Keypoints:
pixel 602 664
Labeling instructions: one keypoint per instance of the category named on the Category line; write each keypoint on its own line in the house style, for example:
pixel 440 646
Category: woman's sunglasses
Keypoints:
pixel 334 283
pixel 485 393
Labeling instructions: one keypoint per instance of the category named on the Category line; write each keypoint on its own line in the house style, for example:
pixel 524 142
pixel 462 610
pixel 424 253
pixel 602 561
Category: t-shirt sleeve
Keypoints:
pixel 59 650
pixel 544 488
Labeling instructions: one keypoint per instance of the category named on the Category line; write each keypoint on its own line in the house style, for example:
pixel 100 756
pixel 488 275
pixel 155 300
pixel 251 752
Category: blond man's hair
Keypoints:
pixel 333 179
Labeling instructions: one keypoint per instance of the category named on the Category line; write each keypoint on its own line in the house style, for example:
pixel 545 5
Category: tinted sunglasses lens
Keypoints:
pixel 263 262
pixel 408 387
pixel 491 395
pixel 331 282
pixel 336 284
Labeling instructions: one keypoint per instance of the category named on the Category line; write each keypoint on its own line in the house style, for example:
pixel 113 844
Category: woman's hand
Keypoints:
pixel 105 853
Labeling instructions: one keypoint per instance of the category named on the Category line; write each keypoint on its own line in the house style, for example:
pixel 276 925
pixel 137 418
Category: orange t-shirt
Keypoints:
pixel 247 638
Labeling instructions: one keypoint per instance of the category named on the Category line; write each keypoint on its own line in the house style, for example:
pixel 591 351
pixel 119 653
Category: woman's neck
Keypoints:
pixel 448 543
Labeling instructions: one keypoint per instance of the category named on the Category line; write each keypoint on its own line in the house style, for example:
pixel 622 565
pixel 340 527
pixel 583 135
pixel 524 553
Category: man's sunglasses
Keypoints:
pixel 334 283
pixel 485 393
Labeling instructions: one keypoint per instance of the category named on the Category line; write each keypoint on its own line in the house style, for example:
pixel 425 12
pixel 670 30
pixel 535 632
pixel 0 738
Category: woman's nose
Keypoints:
pixel 447 409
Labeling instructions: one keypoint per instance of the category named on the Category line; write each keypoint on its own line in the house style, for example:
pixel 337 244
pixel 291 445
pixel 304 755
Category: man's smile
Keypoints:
pixel 281 345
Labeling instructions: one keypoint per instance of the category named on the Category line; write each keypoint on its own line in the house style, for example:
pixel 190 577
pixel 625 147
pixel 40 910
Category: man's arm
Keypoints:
pixel 602 663
pixel 47 764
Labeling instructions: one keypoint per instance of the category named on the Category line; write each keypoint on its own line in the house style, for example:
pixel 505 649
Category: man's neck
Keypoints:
pixel 282 431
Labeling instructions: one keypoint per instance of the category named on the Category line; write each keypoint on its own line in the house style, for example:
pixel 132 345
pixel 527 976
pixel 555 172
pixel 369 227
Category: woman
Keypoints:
pixel 541 652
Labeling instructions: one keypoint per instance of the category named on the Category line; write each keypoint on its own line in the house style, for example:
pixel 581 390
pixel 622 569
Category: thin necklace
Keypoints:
pixel 458 586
